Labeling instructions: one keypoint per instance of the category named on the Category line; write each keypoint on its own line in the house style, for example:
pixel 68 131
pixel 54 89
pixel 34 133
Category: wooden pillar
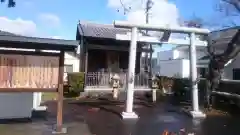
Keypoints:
pixel 60 94
pixel 85 66
pixel 150 65
pixel 108 63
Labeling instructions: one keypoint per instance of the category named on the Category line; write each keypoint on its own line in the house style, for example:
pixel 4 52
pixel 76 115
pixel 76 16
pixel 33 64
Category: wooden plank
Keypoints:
pixel 28 89
pixel 116 48
pixel 60 93
pixel 37 53
pixel 225 80
pixel 227 94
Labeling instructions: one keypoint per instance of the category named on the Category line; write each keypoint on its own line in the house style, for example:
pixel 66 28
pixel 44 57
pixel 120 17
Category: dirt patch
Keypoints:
pixel 215 112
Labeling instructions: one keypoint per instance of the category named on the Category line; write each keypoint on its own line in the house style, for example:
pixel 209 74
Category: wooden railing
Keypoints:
pixel 103 79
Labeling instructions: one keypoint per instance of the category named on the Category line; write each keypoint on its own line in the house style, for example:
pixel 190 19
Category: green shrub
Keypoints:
pixel 76 82
pixel 182 87
pixel 69 94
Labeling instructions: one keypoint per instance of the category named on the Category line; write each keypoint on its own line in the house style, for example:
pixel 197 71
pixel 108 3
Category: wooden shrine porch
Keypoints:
pixel 102 56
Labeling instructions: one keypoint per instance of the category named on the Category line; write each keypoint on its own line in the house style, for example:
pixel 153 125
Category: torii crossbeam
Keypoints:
pixel 128 113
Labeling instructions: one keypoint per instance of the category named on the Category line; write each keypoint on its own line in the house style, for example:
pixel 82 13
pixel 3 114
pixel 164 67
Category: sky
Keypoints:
pixel 59 18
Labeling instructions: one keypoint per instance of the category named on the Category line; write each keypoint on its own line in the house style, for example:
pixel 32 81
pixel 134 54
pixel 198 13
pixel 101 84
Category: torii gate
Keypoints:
pixel 128 113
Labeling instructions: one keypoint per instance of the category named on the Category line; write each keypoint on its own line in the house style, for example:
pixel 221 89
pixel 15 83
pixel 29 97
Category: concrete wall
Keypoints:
pixel 71 59
pixel 171 68
pixel 181 67
pixel 228 70
pixel 167 55
pixel 175 62
pixel 177 54
pixel 16 105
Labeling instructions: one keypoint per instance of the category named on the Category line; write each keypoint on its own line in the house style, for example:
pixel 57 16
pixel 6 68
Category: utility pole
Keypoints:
pixel 148 61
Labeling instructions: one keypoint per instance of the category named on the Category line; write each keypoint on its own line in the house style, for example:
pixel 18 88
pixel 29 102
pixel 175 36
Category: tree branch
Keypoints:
pixel 234 3
pixel 11 3
pixel 233 48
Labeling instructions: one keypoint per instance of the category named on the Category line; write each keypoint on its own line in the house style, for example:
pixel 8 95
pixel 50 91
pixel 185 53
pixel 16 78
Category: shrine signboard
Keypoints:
pixel 29 71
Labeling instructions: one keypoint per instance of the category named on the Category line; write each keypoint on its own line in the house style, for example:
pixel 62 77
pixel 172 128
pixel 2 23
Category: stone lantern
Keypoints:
pixel 115 85
pixel 154 88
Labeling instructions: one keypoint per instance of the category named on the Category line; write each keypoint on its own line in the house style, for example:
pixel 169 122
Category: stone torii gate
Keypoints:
pixel 128 113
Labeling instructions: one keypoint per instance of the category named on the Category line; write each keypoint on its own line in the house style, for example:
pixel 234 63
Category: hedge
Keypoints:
pixel 181 87
pixel 75 84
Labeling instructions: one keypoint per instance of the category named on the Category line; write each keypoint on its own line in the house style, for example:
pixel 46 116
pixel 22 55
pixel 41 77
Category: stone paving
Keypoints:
pixel 103 118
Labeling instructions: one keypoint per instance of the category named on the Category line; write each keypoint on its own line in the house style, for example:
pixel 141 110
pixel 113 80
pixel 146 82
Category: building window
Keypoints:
pixel 68 68
pixel 236 73
pixel 202 72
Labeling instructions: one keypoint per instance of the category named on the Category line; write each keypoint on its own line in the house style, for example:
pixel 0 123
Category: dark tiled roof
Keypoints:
pixel 45 42
pixel 4 33
pixel 204 58
pixel 222 38
pixel 89 29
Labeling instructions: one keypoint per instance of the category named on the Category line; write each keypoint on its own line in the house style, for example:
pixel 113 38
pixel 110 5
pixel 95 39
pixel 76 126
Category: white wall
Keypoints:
pixel 171 68
pixel 16 105
pixel 176 61
pixel 71 59
pixel 167 66
pixel 184 52
pixel 185 68
pixel 167 55
pixel 228 70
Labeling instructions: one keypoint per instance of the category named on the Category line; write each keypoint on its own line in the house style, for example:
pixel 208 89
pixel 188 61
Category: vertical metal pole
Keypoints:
pixel 193 73
pixel 60 93
pixel 131 71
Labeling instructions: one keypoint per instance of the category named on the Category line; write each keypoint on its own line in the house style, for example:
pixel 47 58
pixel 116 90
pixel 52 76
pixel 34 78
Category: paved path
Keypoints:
pixel 84 119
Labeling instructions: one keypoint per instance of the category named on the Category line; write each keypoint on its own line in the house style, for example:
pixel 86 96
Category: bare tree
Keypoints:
pixel 217 63
pixel 227 15
pixel 230 9
pixel 11 3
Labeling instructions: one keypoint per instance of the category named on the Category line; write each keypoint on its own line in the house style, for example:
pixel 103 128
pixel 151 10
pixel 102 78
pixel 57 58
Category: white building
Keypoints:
pixel 71 63
pixel 175 62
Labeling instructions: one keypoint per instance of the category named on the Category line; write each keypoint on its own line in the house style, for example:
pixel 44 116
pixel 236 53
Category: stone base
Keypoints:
pixel 63 131
pixel 40 108
pixel 131 115
pixel 197 114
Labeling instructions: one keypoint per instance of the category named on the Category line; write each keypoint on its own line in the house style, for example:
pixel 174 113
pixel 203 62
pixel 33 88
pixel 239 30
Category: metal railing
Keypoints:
pixel 103 79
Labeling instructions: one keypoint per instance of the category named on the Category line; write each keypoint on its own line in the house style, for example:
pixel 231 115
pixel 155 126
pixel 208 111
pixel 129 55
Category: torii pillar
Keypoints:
pixel 128 113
